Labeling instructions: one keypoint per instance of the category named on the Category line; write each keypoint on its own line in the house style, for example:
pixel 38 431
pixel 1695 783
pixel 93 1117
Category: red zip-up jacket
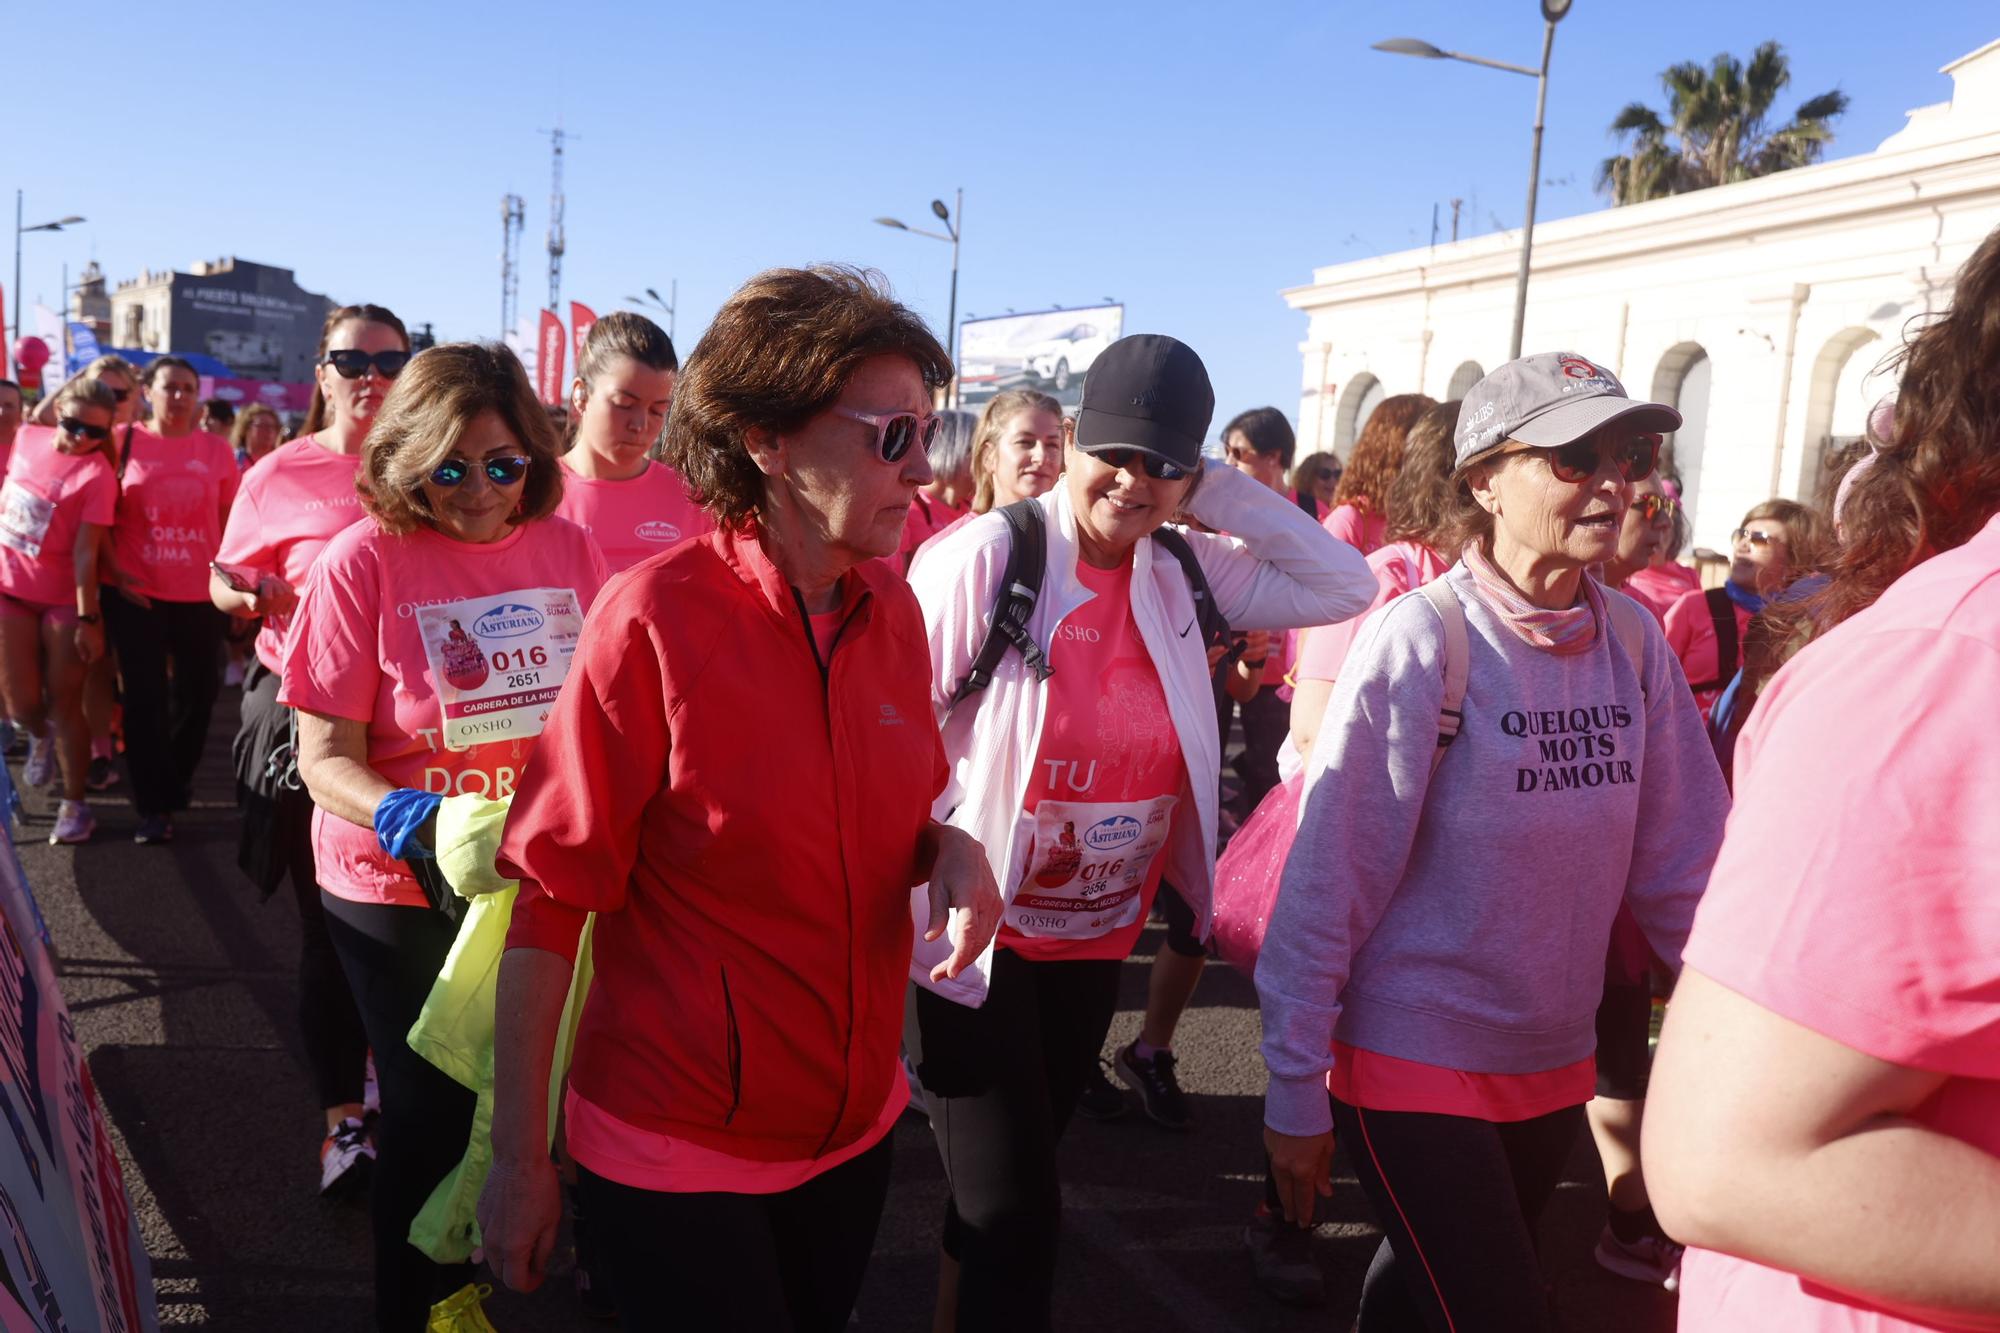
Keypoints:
pixel 747 822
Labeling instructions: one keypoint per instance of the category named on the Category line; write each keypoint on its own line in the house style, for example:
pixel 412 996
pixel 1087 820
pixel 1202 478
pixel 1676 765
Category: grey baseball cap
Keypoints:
pixel 1549 399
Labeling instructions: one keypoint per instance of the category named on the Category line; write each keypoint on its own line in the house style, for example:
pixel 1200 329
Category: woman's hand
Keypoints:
pixel 1303 1171
pixel 273 597
pixel 518 1213
pixel 965 900
pixel 89 641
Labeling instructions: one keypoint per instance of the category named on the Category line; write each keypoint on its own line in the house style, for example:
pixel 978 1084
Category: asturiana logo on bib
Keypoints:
pixel 508 621
pixel 1110 834
pixel 657 530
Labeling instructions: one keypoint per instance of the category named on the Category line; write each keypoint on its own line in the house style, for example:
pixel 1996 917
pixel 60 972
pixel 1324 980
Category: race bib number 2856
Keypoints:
pixel 500 661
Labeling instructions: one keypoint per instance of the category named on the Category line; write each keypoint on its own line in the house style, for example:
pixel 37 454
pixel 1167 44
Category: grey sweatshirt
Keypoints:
pixel 1461 918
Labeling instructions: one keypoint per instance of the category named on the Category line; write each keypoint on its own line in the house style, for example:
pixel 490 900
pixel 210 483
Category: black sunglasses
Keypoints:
pixel 1159 469
pixel 84 430
pixel 501 470
pixel 351 363
pixel 121 394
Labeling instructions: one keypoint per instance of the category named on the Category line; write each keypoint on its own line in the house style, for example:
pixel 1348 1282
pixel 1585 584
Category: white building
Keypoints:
pixel 1761 309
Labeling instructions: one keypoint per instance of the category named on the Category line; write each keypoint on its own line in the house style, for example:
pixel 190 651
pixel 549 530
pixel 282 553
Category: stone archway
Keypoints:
pixel 1364 393
pixel 1682 381
pixel 1848 379
pixel 1468 374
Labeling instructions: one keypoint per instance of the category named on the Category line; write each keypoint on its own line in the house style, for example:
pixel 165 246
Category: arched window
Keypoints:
pixel 1364 393
pixel 1682 382
pixel 1468 374
pixel 1848 379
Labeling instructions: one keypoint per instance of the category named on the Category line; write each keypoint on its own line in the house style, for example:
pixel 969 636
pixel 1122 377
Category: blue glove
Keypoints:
pixel 398 818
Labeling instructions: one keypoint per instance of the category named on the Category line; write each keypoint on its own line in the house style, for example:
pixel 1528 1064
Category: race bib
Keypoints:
pixel 1089 866
pixel 499 661
pixel 24 518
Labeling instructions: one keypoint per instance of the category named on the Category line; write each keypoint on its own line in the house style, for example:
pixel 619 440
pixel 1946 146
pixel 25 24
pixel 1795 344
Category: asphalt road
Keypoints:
pixel 182 988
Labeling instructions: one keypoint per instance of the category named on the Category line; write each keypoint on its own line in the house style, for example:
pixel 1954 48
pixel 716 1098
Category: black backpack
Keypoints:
pixel 1021 588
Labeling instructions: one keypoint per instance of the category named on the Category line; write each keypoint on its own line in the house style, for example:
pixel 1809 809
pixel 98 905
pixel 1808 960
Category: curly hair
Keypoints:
pixel 1378 454
pixel 777 354
pixel 1420 501
pixel 1936 478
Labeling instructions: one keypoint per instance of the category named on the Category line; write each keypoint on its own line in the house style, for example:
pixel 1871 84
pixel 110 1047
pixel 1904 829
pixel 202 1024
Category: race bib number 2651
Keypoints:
pixel 500 661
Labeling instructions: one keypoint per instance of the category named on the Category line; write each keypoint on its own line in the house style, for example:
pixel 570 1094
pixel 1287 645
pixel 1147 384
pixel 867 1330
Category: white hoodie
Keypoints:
pixel 1278 570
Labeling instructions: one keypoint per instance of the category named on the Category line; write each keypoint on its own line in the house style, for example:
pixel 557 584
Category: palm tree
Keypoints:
pixel 1714 130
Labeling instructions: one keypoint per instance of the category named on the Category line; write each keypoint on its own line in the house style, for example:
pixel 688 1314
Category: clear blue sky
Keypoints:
pixel 1187 159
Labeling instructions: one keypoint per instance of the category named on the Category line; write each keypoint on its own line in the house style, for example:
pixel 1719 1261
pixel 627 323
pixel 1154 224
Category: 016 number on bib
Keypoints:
pixel 1089 867
pixel 500 661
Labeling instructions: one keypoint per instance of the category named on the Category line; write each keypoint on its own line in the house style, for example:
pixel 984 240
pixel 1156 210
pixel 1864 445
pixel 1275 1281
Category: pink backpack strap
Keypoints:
pixel 1457 664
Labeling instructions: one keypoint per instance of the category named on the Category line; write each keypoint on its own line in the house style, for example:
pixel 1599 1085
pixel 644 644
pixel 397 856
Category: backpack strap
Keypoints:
pixel 1457 664
pixel 1020 588
pixel 1214 625
pixel 1728 651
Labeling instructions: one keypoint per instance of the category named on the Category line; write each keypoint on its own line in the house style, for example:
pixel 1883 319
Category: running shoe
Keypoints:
pixel 40 770
pixel 1654 1260
pixel 346 1159
pixel 102 774
pixel 1102 1099
pixel 1159 1090
pixel 153 830
pixel 1282 1259
pixel 462 1311
pixel 74 823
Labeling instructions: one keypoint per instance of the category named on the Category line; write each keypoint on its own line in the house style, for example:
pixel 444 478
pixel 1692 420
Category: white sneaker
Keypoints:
pixel 40 770
pixel 74 823
pixel 345 1158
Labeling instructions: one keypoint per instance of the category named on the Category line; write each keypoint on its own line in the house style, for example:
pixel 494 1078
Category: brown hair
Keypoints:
pixel 367 314
pixel 620 333
pixel 1000 409
pixel 1808 534
pixel 777 354
pixel 427 410
pixel 1306 474
pixel 159 364
pixel 1420 500
pixel 239 430
pixel 1936 479
pixel 85 391
pixel 1378 454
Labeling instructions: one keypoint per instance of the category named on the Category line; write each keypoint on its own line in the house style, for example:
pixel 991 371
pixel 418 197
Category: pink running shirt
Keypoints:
pixel 170 511
pixel 633 519
pixel 292 502
pixel 1855 891
pixel 47 496
pixel 1108 778
pixel 1398 568
pixel 1363 531
pixel 435 643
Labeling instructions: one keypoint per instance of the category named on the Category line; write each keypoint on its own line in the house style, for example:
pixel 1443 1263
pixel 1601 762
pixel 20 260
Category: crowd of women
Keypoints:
pixel 826 746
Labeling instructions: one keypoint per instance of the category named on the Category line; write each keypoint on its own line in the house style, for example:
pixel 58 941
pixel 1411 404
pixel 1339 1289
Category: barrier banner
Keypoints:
pixel 549 357
pixel 70 1255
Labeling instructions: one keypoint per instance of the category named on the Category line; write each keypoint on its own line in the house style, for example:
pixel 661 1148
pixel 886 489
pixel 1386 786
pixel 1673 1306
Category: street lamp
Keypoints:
pixel 652 298
pixel 19 232
pixel 954 221
pixel 1552 14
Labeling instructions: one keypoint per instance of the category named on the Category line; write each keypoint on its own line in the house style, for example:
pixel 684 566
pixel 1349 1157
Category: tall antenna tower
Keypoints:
pixel 556 246
pixel 513 216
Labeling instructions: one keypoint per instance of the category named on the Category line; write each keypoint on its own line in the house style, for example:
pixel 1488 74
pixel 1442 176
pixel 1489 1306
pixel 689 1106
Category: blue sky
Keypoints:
pixel 1187 159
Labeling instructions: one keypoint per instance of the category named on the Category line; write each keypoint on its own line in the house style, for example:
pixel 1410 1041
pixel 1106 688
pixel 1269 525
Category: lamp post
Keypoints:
pixel 1552 14
pixel 652 298
pixel 954 220
pixel 19 232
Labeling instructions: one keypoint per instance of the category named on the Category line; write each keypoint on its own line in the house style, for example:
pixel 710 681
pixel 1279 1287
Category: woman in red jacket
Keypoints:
pixel 739 775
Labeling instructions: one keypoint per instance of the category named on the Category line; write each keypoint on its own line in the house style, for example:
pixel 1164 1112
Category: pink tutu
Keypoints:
pixel 1246 875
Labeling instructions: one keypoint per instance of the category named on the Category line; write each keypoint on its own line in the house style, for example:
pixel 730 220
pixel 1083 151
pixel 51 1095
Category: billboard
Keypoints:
pixel 1050 350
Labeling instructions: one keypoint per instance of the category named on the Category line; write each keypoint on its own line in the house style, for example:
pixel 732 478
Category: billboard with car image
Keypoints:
pixel 1050 350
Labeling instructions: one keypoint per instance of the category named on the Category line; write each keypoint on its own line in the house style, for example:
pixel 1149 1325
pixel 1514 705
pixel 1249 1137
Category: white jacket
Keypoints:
pixel 1278 570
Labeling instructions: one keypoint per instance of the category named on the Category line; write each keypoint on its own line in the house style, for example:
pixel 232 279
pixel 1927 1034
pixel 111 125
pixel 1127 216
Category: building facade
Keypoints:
pixel 1764 310
pixel 253 317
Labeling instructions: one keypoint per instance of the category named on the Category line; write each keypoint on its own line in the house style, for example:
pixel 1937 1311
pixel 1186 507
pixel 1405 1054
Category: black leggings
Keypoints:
pixel 392 956
pixel 1459 1200
pixel 1001 1082
pixel 746 1263
pixel 166 709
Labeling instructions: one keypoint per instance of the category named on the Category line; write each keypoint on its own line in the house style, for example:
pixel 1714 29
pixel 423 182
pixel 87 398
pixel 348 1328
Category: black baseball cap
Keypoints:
pixel 1147 392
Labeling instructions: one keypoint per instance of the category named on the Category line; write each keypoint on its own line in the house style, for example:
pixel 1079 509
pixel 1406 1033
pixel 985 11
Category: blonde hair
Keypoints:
pixel 1002 408
pixel 239 430
pixel 427 410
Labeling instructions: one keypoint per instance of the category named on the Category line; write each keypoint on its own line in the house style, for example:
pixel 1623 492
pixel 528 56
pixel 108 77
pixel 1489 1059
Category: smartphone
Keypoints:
pixel 233 580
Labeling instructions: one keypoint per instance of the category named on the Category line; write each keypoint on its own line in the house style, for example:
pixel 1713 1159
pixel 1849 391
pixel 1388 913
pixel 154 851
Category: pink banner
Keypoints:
pixel 581 317
pixel 242 393
pixel 549 357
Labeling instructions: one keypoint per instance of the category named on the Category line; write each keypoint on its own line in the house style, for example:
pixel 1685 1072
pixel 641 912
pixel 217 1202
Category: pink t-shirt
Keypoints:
pixel 174 495
pixel 1855 891
pixel 648 1161
pixel 1398 568
pixel 1663 585
pixel 1691 634
pixel 1377 1082
pixel 47 496
pixel 1108 777
pixel 291 504
pixel 928 517
pixel 436 644
pixel 1364 532
pixel 636 518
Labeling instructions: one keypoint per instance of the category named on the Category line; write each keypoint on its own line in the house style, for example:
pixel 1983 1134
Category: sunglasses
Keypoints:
pixel 120 395
pixel 1651 507
pixel 1756 537
pixel 83 430
pixel 501 470
pixel 895 432
pixel 1159 469
pixel 351 363
pixel 1635 457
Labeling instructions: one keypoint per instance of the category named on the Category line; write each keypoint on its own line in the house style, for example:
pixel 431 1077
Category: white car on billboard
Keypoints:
pixel 1059 359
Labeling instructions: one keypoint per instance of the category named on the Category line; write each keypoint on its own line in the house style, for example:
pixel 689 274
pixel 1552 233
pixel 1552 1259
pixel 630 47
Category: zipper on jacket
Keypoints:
pixel 734 1049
